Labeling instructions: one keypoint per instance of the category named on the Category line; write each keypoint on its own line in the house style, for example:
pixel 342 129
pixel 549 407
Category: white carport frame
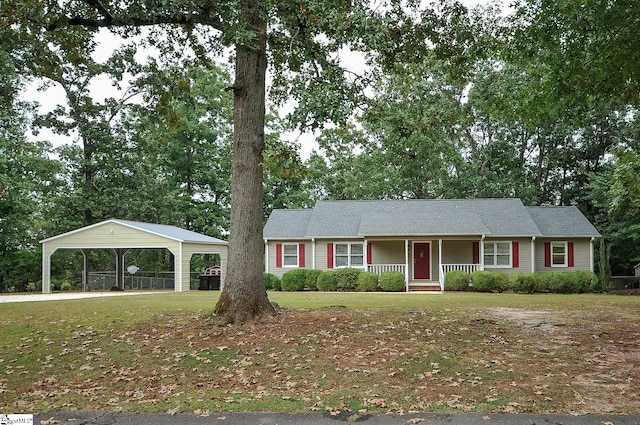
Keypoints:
pixel 124 234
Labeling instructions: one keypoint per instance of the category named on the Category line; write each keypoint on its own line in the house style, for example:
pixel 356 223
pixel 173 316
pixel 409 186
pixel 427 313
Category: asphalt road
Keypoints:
pixel 255 418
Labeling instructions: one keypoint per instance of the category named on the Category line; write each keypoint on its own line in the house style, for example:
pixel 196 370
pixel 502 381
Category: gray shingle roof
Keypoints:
pixel 562 221
pixel 287 224
pixel 171 232
pixel 440 217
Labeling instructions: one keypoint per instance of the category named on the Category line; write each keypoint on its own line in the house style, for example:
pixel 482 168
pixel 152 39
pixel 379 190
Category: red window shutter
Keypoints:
pixel 279 255
pixel 301 255
pixel 547 254
pixel 329 255
pixel 515 254
pixel 476 253
pixel 369 253
pixel 570 254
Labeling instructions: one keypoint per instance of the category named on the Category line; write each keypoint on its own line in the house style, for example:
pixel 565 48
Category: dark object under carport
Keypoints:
pixel 210 279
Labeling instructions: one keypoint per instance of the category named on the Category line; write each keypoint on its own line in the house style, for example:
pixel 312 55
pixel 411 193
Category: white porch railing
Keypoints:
pixel 446 268
pixel 379 268
pixel 469 268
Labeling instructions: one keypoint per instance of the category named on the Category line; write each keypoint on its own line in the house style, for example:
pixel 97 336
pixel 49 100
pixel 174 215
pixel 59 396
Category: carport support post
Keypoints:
pixel 87 269
pixel 120 267
pixel 46 269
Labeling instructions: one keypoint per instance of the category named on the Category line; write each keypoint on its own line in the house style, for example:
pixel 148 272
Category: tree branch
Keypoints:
pixel 101 9
pixel 107 19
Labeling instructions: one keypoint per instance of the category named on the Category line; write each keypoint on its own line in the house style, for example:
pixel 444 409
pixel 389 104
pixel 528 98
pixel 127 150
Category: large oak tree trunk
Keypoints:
pixel 244 296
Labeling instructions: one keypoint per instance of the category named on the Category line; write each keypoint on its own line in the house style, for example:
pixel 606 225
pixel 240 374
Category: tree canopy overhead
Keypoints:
pixel 584 53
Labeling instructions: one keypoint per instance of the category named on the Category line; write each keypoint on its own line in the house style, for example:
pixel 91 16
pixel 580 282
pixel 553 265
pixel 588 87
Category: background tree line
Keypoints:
pixel 538 103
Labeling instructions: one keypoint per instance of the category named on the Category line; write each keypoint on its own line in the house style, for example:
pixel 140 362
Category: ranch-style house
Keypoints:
pixel 425 239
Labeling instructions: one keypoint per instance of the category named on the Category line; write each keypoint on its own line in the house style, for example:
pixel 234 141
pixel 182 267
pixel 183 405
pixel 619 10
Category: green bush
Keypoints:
pixel 545 281
pixel 272 282
pixel 55 284
pixel 367 282
pixel 66 286
pixel 457 280
pixel 587 281
pixel 312 279
pixel 31 287
pixel 483 281
pixel 347 279
pixel 294 280
pixel 502 281
pixel 527 283
pixel 327 281
pixel 577 282
pixel 392 282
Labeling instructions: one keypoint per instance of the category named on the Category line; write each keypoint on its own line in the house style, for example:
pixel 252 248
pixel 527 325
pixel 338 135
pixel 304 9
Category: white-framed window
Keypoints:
pixel 290 255
pixel 497 254
pixel 349 254
pixel 559 254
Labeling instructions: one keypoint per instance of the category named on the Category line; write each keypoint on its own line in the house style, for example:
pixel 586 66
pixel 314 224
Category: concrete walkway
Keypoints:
pixel 57 296
pixel 257 418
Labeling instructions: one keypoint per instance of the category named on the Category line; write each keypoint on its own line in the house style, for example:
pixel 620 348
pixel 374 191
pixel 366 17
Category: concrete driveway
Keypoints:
pixel 57 296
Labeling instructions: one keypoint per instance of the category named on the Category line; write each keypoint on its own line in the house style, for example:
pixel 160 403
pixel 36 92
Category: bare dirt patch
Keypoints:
pixel 604 354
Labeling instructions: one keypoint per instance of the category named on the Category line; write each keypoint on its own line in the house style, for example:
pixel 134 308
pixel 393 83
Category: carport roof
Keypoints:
pixel 170 232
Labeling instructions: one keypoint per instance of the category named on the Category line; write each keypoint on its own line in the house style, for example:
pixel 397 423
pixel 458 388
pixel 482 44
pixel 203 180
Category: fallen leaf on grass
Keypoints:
pixel 201 412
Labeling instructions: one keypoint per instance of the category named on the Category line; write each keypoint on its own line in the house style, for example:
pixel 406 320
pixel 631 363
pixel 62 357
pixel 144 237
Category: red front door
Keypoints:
pixel 421 261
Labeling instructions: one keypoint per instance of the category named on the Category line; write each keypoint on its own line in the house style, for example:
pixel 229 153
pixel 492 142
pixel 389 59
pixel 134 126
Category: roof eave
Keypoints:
pixel 82 229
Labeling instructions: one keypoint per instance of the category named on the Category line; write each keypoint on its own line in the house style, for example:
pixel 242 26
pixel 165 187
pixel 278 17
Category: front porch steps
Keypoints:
pixel 424 287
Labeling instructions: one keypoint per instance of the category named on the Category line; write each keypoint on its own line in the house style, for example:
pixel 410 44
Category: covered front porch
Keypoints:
pixel 425 262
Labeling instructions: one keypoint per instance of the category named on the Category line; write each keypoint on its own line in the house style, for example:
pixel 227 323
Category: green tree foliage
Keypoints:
pixel 189 150
pixel 617 221
pixel 414 121
pixel 584 54
pixel 27 178
pixel 285 176
pixel 345 170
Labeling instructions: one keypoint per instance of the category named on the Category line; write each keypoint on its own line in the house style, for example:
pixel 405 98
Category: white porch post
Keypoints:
pixel 482 252
pixel 406 264
pixel 533 254
pixel 591 259
pixel 313 253
pixel 440 271
pixel 365 258
pixel 266 256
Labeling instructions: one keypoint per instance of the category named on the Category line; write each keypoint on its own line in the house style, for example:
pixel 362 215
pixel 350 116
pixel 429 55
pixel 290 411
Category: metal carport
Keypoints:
pixel 121 235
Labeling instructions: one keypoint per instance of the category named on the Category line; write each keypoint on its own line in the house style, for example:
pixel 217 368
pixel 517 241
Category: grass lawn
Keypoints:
pixel 326 352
